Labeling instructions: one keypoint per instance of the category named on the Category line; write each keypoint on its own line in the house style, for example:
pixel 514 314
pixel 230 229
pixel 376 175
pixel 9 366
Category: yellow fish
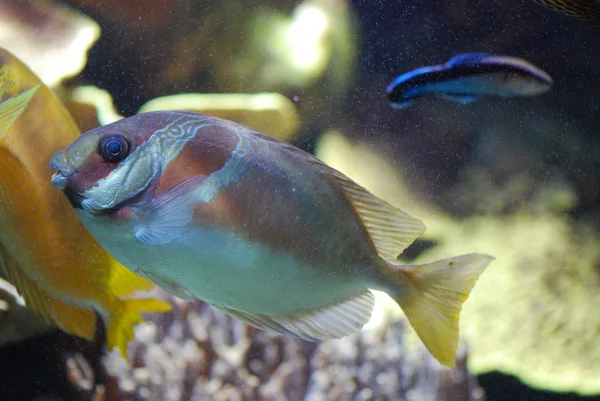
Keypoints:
pixel 262 230
pixel 55 264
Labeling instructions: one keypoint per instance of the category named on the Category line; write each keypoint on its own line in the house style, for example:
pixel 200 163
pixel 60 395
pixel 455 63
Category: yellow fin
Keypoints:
pixel 11 109
pixel 124 315
pixel 68 317
pixel 432 296
pixel 390 229
pixel 124 282
pixel 334 321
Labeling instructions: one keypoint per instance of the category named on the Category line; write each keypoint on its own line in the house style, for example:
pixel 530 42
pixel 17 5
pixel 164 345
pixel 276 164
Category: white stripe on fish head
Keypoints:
pixel 147 162
pixel 235 169
pixel 231 173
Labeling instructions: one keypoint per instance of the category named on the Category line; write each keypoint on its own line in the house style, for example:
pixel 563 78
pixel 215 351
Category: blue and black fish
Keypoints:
pixel 469 77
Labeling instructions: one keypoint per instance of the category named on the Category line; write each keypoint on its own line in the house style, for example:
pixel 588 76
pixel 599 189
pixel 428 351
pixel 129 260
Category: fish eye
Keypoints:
pixel 114 148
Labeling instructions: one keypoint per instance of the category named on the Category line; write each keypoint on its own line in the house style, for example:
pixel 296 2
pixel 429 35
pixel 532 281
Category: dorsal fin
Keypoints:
pixel 390 229
pixel 12 108
pixel 466 59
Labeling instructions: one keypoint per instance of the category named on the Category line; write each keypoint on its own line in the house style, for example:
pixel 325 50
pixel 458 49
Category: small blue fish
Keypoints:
pixel 468 77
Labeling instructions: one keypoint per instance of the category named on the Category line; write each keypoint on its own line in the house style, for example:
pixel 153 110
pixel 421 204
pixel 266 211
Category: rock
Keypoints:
pixel 196 352
pixel 48 37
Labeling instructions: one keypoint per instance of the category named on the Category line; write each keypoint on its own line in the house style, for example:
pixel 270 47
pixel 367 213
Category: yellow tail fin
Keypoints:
pixel 432 296
pixel 125 314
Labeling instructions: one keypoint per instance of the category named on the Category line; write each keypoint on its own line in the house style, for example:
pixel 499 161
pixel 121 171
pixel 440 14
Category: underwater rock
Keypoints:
pixel 196 352
pixel 302 49
pixel 532 313
pixel 141 14
pixel 49 38
pixel 90 107
pixel 271 113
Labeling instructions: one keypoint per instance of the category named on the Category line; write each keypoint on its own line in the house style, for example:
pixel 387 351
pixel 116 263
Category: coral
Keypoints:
pixel 51 39
pixel 196 352
pixel 300 49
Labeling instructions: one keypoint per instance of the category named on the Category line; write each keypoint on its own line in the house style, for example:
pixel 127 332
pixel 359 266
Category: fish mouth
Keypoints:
pixel 75 199
pixel 59 181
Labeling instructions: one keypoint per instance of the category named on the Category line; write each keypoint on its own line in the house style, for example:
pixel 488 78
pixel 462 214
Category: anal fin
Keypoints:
pixel 334 321
pixel 162 220
pixel 166 284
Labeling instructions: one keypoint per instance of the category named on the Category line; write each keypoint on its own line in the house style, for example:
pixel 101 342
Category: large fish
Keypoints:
pixel 469 77
pixel 45 251
pixel 208 208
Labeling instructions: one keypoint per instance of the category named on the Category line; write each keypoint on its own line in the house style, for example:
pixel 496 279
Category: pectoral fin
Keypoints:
pixel 11 109
pixel 162 220
pixel 335 321
pixel 462 99
pixel 402 105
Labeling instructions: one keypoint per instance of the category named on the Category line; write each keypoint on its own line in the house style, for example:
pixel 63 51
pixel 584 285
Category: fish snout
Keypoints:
pixel 60 162
pixel 59 181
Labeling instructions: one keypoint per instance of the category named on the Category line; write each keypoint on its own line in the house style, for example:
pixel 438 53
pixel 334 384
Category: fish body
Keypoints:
pixel 55 264
pixel 468 77
pixel 210 209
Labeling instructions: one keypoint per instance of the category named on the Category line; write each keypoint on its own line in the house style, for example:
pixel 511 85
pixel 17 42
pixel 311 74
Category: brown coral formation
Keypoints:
pixel 196 352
